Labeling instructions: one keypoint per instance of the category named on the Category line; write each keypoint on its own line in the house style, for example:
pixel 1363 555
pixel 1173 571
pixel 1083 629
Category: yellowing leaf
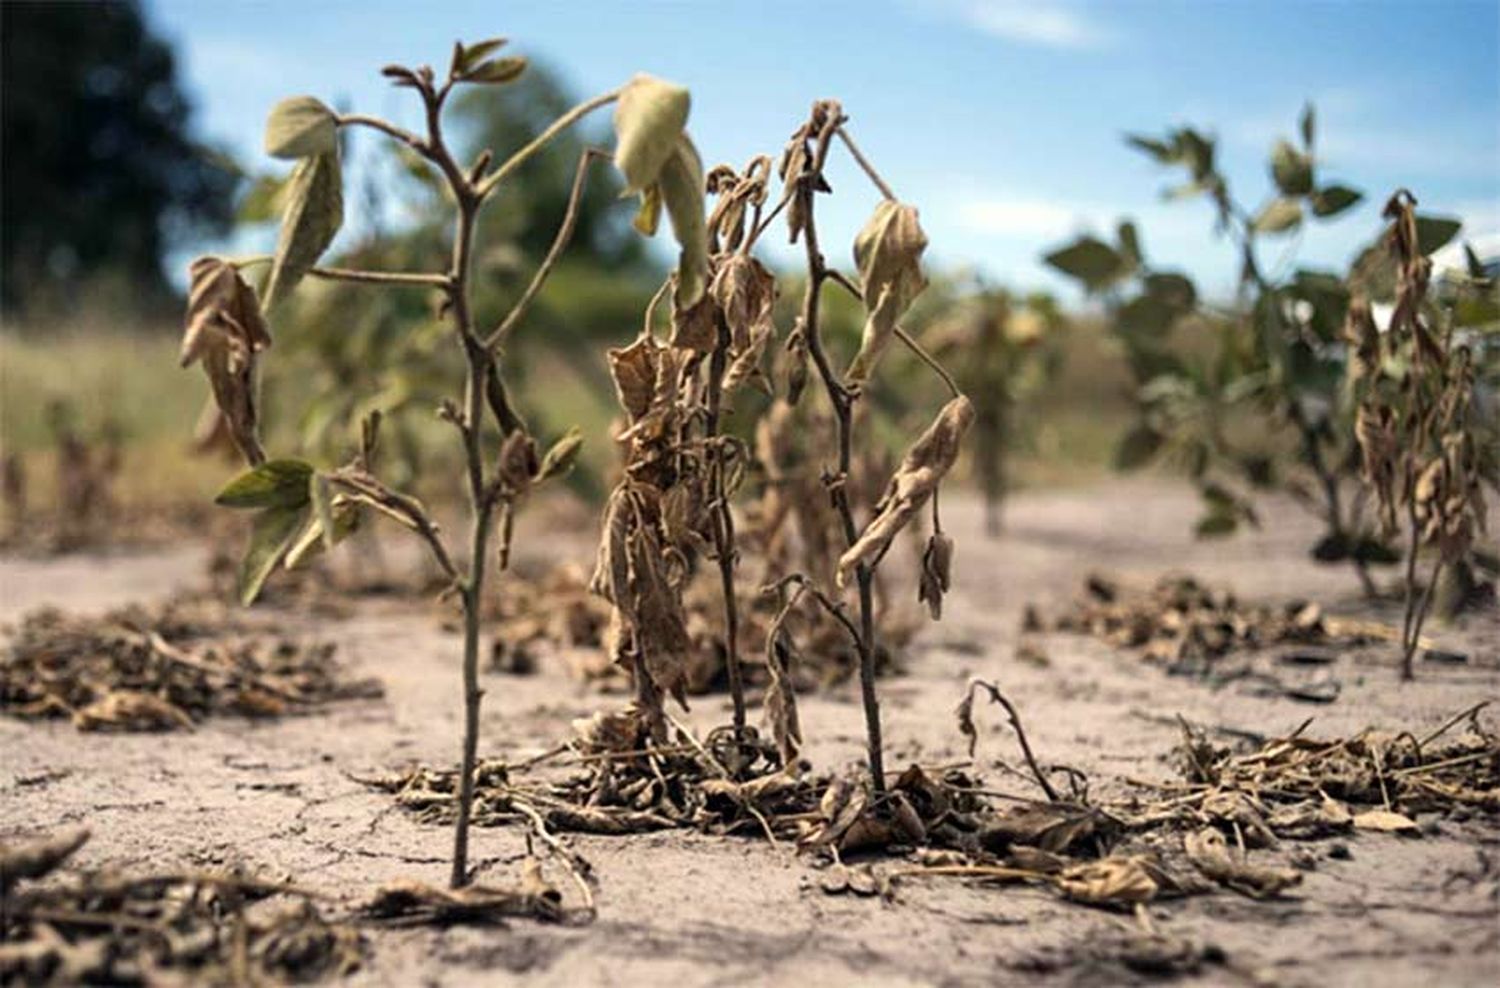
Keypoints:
pixel 301 127
pixel 649 119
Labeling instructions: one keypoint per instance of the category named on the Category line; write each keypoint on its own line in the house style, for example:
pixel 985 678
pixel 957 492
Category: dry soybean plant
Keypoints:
pixel 1419 449
pixel 673 504
pixel 301 508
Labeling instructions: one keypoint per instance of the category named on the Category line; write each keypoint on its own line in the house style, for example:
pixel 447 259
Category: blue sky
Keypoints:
pixel 1001 121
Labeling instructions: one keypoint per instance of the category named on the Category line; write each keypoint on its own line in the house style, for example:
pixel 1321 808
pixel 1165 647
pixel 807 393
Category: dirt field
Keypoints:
pixel 686 910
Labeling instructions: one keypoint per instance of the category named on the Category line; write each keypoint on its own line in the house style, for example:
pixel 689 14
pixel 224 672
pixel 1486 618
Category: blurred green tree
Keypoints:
pixel 101 175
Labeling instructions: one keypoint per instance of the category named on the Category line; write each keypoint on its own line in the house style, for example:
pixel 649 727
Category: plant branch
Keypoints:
pixel 559 244
pixel 562 123
pixel 864 163
pixel 415 279
pixel 842 280
pixel 1015 722
pixel 385 127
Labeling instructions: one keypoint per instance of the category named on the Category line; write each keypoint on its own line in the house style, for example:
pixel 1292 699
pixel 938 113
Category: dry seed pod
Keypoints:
pixel 922 468
pixel 937 570
pixel 224 330
pixel 888 252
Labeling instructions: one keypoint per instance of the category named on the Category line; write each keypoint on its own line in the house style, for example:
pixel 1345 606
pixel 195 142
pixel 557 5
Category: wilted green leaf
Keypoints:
pixel 301 127
pixel 311 540
pixel 1090 260
pixel 274 532
pixel 682 191
pixel 276 483
pixel 314 213
pixel 1334 199
pixel 1309 126
pixel 1279 216
pixel 1130 245
pixel 649 119
pixel 320 493
pixel 1291 169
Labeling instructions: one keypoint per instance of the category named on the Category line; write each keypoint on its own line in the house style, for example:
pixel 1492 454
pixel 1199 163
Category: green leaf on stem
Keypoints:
pixel 1278 216
pixel 1091 261
pixel 314 212
pixel 273 484
pixel 1331 200
pixel 301 127
pixel 1291 169
pixel 561 457
pixel 274 532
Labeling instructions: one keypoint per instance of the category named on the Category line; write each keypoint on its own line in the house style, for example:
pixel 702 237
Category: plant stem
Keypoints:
pixel 559 125
pixel 842 401
pixel 559 244
pixel 723 525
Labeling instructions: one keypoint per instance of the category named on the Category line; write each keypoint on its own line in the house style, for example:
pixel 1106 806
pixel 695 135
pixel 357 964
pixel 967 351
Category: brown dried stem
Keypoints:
pixel 723 524
pixel 842 401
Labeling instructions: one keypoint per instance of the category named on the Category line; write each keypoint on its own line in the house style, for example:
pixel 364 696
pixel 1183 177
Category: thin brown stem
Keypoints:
pixel 1015 722
pixel 842 401
pixel 385 127
pixel 413 279
pixel 864 163
pixel 723 524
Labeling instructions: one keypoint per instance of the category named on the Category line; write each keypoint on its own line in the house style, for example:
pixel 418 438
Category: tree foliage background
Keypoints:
pixel 101 172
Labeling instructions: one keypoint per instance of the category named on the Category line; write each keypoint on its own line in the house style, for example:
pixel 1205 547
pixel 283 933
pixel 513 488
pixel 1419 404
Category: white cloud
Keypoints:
pixel 1040 23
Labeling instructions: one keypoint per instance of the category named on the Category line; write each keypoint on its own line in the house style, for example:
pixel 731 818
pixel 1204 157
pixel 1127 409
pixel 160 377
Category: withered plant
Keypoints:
pixel 1417 439
pixel 301 508
pixel 682 466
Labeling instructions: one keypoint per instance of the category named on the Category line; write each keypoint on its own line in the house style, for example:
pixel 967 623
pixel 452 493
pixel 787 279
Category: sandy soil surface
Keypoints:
pixel 686 910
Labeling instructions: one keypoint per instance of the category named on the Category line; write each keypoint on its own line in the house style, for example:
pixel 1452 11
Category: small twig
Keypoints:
pixel 385 127
pixel 412 279
pixel 864 163
pixel 1453 721
pixel 1015 722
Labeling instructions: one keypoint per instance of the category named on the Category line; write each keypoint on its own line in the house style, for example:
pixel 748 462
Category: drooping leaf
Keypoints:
pixel 320 493
pixel 224 330
pixel 274 532
pixel 1164 153
pixel 301 127
pixel 273 484
pixel 1331 200
pixel 682 191
pixel 314 213
pixel 1278 216
pixel 916 478
pixel 649 119
pixel 888 253
pixel 1090 260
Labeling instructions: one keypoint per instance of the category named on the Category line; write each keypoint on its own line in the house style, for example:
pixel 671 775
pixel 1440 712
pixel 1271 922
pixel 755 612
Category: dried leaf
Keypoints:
pixel 1386 821
pixel 224 329
pixel 1211 855
pixel 922 468
pixel 937 573
pixel 888 252
pixel 33 859
pixel 1113 881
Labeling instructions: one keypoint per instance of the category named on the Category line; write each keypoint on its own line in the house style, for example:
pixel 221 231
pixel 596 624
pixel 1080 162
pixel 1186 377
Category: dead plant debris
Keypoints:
pixel 1222 825
pixel 83 927
pixel 163 668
